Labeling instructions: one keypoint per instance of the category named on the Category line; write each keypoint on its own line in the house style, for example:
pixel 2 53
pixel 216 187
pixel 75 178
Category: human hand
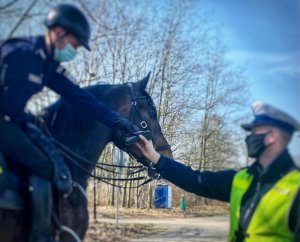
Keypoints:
pixel 147 148
pixel 132 139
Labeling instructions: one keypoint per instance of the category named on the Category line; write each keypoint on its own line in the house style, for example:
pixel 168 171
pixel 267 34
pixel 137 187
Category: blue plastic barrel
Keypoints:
pixel 163 196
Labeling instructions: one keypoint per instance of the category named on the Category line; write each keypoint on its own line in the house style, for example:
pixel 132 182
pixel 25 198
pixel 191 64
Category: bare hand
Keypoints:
pixel 146 147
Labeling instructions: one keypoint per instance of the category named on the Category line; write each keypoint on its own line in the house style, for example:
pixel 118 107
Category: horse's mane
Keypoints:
pixel 63 115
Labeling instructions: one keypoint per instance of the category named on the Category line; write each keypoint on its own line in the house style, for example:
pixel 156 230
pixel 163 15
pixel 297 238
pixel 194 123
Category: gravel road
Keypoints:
pixel 202 229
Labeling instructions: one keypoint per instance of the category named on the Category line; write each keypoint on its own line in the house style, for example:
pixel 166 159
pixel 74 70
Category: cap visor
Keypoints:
pixel 85 44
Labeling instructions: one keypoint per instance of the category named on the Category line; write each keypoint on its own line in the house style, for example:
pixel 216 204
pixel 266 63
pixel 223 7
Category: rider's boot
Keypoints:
pixel 40 209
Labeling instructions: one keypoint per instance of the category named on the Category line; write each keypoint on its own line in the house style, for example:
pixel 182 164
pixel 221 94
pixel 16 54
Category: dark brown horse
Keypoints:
pixel 84 136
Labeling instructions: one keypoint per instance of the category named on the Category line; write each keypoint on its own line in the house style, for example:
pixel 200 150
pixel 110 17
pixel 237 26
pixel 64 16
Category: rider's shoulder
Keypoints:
pixel 18 43
pixel 21 45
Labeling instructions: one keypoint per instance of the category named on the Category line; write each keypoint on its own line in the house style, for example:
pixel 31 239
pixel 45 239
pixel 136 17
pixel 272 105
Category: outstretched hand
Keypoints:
pixel 147 148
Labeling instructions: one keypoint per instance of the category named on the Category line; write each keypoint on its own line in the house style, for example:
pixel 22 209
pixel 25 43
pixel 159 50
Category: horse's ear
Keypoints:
pixel 144 82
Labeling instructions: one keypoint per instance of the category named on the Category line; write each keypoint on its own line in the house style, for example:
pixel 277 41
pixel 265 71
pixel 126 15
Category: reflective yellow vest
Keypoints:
pixel 268 222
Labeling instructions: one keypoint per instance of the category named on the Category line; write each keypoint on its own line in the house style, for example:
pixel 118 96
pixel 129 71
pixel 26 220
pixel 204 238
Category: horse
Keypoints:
pixel 72 128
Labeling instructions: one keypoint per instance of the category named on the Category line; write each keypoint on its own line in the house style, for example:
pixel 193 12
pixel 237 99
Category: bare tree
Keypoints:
pixel 196 90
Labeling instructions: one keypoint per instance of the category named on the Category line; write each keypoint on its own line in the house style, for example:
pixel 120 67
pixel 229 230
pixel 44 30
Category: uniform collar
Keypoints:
pixel 277 169
pixel 41 47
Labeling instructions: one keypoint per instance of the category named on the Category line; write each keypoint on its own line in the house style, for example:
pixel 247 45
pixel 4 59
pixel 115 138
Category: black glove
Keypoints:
pixel 122 124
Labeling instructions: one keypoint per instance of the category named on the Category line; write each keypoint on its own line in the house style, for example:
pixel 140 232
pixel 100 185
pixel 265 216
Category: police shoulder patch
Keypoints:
pixel 34 78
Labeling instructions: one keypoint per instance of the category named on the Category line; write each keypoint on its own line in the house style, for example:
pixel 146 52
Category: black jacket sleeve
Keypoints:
pixel 294 216
pixel 214 185
pixel 82 99
pixel 297 228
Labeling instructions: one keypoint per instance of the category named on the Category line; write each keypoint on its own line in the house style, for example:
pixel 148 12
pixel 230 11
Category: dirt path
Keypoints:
pixel 205 229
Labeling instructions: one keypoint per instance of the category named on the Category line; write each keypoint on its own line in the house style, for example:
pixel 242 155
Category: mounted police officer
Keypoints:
pixel 259 195
pixel 26 66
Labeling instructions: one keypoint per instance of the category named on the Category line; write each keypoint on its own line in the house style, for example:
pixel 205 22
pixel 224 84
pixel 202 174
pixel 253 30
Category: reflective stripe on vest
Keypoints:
pixel 268 223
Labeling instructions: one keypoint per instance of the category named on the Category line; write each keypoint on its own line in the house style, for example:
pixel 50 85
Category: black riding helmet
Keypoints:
pixel 72 20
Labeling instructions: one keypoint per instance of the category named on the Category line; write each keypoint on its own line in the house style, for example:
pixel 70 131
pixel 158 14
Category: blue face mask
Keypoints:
pixel 66 54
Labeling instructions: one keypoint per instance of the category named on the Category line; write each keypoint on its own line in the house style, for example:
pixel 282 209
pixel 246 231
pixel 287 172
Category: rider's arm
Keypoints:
pixel 82 98
pixel 215 185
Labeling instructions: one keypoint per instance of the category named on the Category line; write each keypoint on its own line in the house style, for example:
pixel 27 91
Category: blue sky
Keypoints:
pixel 265 34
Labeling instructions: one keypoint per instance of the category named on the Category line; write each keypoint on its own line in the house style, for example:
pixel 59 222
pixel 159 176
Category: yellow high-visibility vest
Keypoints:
pixel 269 220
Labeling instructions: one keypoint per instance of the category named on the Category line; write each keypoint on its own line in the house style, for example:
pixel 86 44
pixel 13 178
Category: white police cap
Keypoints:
pixel 266 114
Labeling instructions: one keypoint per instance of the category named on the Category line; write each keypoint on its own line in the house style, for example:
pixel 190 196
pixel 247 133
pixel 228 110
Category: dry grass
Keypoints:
pixel 175 212
pixel 107 232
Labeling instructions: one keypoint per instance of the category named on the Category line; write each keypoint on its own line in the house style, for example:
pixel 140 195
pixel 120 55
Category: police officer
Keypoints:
pixel 26 66
pixel 260 194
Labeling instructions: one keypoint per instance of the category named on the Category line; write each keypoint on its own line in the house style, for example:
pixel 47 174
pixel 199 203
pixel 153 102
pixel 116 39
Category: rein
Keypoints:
pixel 65 154
pixel 68 153
pixel 64 149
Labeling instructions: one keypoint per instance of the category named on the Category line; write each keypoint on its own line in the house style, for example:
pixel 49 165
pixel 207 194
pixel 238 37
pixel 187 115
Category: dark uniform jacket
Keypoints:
pixel 294 216
pixel 217 185
pixel 26 67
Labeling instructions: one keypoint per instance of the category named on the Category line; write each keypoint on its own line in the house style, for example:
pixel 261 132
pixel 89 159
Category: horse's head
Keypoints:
pixel 71 126
pixel 137 106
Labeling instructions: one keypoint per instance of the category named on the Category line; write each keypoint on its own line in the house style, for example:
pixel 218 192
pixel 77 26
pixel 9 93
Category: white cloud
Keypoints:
pixel 287 69
pixel 269 63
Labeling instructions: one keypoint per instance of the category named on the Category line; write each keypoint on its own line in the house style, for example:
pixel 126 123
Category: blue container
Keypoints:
pixel 163 196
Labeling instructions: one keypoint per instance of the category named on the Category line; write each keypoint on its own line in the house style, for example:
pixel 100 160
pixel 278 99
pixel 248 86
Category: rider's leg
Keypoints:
pixel 40 195
pixel 24 153
pixel 30 153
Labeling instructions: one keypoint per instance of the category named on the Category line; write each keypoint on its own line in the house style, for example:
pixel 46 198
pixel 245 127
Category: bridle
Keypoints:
pixel 135 111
